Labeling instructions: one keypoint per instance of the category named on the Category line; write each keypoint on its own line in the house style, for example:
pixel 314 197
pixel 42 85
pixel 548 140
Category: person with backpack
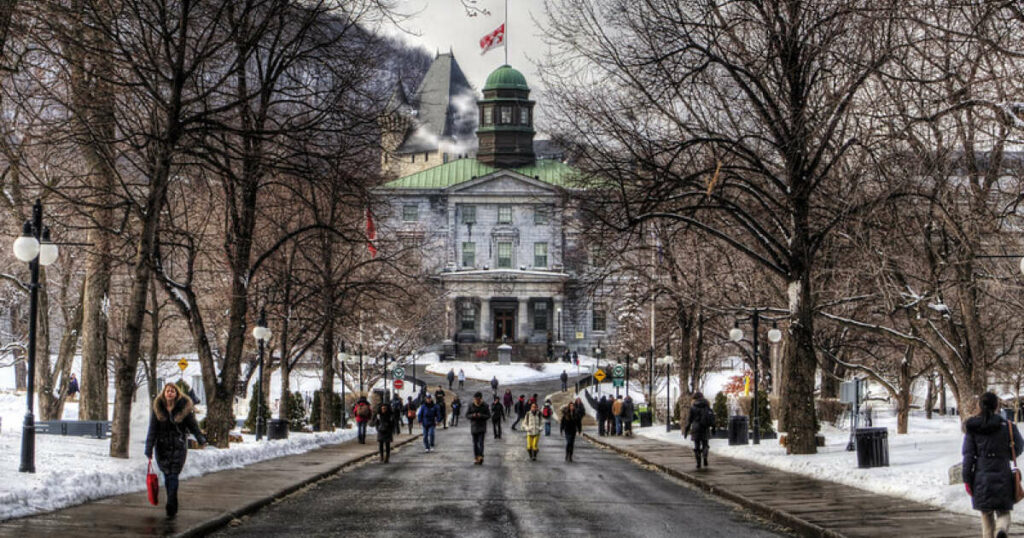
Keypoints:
pixel 699 426
pixel 478 415
pixel 568 427
pixel 627 416
pixel 579 412
pixel 428 416
pixel 520 408
pixel 456 408
pixel 617 413
pixel 497 415
pixel 451 378
pixel 462 378
pixel 397 411
pixel 363 412
pixel 383 421
pixel 439 395
pixel 546 412
pixel 410 413
pixel 494 384
pixel 533 423
pixel 507 402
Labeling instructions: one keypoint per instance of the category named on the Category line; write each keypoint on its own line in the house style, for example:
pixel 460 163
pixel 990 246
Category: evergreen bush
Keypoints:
pixel 296 413
pixel 721 409
pixel 250 421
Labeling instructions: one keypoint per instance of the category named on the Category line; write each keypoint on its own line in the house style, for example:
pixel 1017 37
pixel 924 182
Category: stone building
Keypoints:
pixel 499 230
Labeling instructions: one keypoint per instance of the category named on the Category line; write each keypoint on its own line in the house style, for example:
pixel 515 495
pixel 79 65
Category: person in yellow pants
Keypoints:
pixel 533 424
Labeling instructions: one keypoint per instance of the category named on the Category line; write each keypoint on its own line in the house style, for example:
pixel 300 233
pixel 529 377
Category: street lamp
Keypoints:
pixel 28 248
pixel 342 358
pixel 640 362
pixel 774 336
pixel 558 311
pixel 261 333
pixel 666 361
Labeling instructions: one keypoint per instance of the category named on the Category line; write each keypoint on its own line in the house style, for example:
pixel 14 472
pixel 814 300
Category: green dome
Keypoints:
pixel 506 78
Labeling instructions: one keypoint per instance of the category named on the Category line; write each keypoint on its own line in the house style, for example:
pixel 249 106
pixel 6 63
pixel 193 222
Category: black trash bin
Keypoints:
pixel 872 447
pixel 277 429
pixel 646 420
pixel 738 429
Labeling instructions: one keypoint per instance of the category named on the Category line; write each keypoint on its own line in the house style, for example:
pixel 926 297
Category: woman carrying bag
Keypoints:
pixel 991 444
pixel 173 418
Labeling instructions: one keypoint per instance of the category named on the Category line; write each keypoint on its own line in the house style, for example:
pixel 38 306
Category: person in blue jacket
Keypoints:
pixel 428 417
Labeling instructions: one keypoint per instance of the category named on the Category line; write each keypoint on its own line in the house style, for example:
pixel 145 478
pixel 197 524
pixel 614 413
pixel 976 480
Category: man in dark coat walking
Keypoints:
pixel 565 380
pixel 451 378
pixel 520 408
pixel 602 414
pixel 494 384
pixel 698 425
pixel 986 466
pixel 478 414
pixel 428 416
pixel 497 415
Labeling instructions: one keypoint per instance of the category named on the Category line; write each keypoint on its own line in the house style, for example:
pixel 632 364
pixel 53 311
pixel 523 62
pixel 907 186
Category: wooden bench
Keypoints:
pixel 99 429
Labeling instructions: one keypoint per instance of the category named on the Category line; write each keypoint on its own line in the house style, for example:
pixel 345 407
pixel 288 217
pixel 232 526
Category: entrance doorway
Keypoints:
pixel 504 324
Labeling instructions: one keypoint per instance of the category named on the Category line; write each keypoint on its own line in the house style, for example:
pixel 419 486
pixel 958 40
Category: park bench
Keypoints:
pixel 99 429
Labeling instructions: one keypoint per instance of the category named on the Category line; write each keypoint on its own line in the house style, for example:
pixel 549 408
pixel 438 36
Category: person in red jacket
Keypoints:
pixel 363 412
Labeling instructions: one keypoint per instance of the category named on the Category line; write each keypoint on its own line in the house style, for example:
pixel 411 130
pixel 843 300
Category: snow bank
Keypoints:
pixel 510 374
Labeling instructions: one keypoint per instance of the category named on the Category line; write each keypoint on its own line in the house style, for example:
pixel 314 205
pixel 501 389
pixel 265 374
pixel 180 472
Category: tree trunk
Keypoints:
pixel 929 398
pixel 283 405
pixel 327 378
pixel 942 395
pixel 17 328
pixel 65 357
pixel 44 373
pixel 903 394
pixel 797 404
pixel 154 344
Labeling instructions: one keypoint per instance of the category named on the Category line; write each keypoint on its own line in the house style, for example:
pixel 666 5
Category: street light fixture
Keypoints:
pixel 27 248
pixel 558 311
pixel 774 336
pixel 261 333
pixel 343 358
pixel 666 361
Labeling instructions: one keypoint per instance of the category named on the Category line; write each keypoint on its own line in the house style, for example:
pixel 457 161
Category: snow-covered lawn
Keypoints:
pixel 510 374
pixel 918 469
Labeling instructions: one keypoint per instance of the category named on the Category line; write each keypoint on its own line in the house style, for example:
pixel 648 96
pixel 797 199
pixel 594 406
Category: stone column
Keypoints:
pixel 523 323
pixel 486 322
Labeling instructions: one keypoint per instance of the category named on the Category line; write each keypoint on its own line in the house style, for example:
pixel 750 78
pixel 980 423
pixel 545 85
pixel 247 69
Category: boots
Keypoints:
pixel 705 458
pixel 696 454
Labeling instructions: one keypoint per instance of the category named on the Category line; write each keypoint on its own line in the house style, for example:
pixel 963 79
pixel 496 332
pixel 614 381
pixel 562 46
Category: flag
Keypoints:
pixel 493 40
pixel 371 234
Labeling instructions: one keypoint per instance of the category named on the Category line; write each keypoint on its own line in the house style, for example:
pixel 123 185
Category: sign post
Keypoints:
pixel 399 384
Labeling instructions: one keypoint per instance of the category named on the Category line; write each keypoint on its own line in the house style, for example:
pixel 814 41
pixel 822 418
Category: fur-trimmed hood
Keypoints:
pixel 182 408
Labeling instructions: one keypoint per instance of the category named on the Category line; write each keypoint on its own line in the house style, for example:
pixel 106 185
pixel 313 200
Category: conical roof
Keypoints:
pixel 445 106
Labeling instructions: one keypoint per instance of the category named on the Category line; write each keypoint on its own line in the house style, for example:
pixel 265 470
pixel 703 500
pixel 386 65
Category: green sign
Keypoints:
pixel 618 381
pixel 618 371
pixel 398 372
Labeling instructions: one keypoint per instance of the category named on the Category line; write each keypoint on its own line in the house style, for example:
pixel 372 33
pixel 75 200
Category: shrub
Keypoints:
pixel 721 409
pixel 296 413
pixel 314 413
pixel 250 420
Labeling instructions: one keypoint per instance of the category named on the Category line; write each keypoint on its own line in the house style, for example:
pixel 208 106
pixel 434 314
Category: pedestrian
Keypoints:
pixel 546 412
pixel 397 411
pixel 568 426
pixel 617 413
pixel 576 358
pixel 699 426
pixel 383 421
pixel 627 416
pixel 428 417
pixel 451 378
pixel 478 414
pixel 410 413
pixel 533 400
pixel 579 412
pixel 601 414
pixel 494 384
pixel 172 419
pixel 507 402
pixel 363 412
pixel 72 387
pixel 497 415
pixel 520 408
pixel 462 378
pixel 991 444
pixel 439 395
pixel 456 408
pixel 565 380
pixel 533 423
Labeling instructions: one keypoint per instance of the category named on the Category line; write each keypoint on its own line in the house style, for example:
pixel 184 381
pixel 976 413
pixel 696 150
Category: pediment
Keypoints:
pixel 504 183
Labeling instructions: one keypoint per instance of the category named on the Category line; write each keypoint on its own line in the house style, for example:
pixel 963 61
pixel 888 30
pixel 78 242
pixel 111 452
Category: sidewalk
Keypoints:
pixel 207 502
pixel 808 506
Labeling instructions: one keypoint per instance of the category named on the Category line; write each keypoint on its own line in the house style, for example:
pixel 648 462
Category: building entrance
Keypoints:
pixel 504 324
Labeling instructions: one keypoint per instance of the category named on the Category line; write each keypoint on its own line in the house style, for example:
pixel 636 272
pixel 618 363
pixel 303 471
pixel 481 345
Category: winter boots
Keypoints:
pixel 705 458
pixel 697 456
pixel 532 454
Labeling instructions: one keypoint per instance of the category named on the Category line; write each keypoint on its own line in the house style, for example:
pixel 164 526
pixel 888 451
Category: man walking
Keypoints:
pixel 497 415
pixel 478 414
pixel 507 401
pixel 462 378
pixel 439 400
pixel 627 416
pixel 617 413
pixel 520 409
pixel 565 380
pixel 428 417
pixel 601 415
pixel 451 378
pixel 494 385
pixel 397 409
pixel 546 412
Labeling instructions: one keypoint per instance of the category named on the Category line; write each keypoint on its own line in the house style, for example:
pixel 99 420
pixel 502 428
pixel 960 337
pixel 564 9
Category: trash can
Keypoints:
pixel 738 429
pixel 872 447
pixel 278 429
pixel 646 420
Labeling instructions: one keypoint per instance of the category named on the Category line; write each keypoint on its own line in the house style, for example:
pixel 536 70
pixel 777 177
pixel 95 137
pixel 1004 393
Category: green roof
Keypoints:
pixel 506 78
pixel 446 175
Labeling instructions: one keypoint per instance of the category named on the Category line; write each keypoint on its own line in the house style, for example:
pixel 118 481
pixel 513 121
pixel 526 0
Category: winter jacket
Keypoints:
pixel 564 377
pixel 603 409
pixel 429 414
pixel 520 408
pixel 456 406
pixel 568 423
pixel 362 410
pixel 547 412
pixel 494 383
pixel 168 431
pixel 617 408
pixel 478 415
pixel 507 400
pixel 462 375
pixel 987 459
pixel 385 424
pixel 497 411
pixel 580 413
pixel 451 376
pixel 694 426
pixel 72 387
pixel 627 410
pixel 533 423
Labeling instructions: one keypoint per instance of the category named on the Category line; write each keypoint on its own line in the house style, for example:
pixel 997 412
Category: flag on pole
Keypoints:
pixel 493 40
pixel 371 234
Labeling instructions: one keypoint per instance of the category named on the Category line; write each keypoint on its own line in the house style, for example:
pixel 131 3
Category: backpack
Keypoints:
pixel 410 411
pixel 546 412
pixel 363 410
pixel 706 418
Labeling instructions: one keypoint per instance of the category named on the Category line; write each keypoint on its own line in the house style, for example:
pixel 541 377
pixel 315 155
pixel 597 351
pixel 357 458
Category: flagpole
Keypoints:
pixel 506 32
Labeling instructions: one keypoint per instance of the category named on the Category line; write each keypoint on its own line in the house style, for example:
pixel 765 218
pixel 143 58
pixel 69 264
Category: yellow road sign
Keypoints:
pixel 183 364
pixel 599 375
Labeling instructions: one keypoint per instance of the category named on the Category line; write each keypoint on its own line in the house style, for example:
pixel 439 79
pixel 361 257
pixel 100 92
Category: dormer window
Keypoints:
pixel 524 116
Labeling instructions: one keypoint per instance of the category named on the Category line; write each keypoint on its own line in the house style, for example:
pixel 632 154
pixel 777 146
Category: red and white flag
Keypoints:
pixel 371 234
pixel 493 40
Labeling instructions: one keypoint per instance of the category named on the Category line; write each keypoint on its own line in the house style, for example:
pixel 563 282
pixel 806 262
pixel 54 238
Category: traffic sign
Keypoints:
pixel 398 384
pixel 398 372
pixel 599 375
pixel 183 364
pixel 618 371
pixel 618 381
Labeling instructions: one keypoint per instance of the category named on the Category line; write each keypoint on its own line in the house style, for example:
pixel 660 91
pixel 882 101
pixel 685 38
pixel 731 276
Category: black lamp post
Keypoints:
pixel 28 248
pixel 360 370
pixel 667 361
pixel 344 406
pixel 261 333
pixel 774 336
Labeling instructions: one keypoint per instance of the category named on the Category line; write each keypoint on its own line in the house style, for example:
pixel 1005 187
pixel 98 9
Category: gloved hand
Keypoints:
pixel 968 488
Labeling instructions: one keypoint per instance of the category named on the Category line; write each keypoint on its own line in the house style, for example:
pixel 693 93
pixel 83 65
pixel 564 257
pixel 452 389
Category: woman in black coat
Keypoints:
pixel 384 421
pixel 986 470
pixel 173 418
pixel 699 426
pixel 570 426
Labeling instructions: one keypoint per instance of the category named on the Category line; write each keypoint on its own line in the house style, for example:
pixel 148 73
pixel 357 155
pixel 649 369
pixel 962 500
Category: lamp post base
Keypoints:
pixel 28 445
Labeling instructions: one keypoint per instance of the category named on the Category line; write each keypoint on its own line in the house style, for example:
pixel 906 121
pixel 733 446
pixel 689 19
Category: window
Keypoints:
pixel 524 116
pixel 488 115
pixel 506 115
pixel 540 316
pixel 469 214
pixel 599 318
pixel 444 157
pixel 468 254
pixel 410 213
pixel 468 318
pixel 540 215
pixel 504 255
pixel 540 255
pixel 504 214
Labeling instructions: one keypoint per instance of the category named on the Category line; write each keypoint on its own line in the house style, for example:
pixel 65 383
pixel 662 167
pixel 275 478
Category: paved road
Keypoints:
pixel 444 494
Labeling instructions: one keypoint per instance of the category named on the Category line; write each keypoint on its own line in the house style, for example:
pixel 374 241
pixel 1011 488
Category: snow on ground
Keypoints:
pixel 510 374
pixel 73 470
pixel 918 469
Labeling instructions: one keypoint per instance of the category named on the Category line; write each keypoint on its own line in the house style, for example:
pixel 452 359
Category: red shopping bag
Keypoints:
pixel 152 485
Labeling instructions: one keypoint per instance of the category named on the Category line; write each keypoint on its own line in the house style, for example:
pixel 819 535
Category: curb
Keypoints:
pixel 801 526
pixel 224 519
